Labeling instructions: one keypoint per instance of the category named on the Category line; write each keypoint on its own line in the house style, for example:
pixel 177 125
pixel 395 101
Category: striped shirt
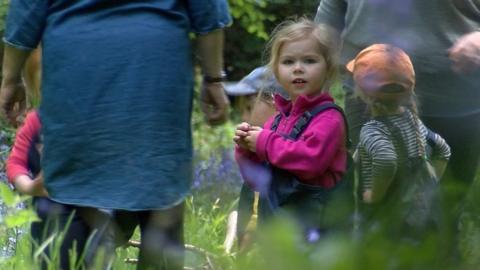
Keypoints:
pixel 377 148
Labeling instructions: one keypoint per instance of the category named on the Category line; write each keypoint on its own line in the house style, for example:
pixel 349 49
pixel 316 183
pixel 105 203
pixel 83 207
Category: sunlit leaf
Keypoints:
pixel 7 195
pixel 22 217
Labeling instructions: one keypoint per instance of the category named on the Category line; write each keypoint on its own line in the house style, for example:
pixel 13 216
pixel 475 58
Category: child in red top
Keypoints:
pixel 303 63
pixel 24 172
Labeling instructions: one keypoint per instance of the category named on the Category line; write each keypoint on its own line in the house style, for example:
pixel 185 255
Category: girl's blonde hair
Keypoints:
pixel 297 29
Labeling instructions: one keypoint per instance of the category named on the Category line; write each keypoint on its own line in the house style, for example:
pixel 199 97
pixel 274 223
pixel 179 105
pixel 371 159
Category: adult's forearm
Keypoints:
pixel 13 62
pixel 12 90
pixel 332 13
pixel 210 52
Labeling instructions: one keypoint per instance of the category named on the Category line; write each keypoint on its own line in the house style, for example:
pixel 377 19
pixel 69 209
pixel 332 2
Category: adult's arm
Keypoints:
pixel 331 18
pixel 12 89
pixel 208 18
pixel 332 13
pixel 23 31
pixel 214 101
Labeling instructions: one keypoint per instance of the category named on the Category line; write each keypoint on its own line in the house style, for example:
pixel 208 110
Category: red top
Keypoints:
pixel 17 163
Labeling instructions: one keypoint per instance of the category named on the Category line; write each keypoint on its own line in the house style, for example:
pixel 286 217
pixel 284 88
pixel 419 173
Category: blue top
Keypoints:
pixel 116 95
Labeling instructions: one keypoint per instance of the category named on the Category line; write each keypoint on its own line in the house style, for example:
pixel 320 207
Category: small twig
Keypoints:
pixel 231 232
pixel 200 251
pixel 189 247
pixel 131 261
pixel 135 261
pixel 134 243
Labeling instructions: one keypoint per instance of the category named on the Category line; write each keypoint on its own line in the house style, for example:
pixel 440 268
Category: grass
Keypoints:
pixel 216 186
pixel 277 248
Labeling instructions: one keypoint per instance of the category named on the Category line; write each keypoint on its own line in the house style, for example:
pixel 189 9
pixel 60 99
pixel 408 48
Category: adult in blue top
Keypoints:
pixel 117 96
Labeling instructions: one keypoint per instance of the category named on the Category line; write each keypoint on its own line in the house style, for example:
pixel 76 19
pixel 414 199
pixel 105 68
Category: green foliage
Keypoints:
pixel 251 16
pixel 253 21
pixel 3 13
pixel 208 140
pixel 205 227
pixel 14 214
pixel 14 219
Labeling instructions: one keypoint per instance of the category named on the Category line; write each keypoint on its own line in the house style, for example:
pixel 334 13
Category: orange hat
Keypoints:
pixel 380 65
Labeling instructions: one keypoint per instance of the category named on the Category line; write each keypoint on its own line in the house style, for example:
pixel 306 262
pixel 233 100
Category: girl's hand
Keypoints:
pixel 252 137
pixel 244 126
pixel 38 187
pixel 241 133
pixel 367 196
pixel 25 185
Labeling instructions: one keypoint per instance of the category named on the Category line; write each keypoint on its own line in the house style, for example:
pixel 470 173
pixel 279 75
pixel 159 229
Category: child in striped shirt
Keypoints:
pixel 385 81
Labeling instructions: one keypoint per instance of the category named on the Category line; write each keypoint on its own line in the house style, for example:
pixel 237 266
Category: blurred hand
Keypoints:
pixel 252 137
pixel 367 196
pixel 12 103
pixel 241 133
pixel 38 187
pixel 25 185
pixel 465 53
pixel 214 103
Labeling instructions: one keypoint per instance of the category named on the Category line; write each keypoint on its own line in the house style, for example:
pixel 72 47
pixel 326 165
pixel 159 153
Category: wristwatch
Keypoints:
pixel 210 79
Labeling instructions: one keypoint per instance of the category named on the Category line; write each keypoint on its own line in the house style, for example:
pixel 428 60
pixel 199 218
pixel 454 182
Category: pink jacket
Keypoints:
pixel 317 157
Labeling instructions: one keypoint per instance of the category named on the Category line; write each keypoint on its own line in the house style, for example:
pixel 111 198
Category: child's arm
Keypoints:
pixel 18 172
pixel 440 153
pixel 384 161
pixel 28 186
pixel 312 154
pixel 253 171
pixel 383 174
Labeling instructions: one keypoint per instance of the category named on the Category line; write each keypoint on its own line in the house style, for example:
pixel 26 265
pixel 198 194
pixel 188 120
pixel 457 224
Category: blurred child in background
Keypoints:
pixel 395 147
pixel 254 99
pixel 24 172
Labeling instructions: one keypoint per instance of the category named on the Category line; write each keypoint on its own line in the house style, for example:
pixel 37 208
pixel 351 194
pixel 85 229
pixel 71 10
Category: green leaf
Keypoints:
pixel 24 216
pixel 7 195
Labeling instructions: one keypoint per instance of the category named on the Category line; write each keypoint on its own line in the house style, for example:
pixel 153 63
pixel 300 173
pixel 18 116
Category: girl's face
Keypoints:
pixel 301 68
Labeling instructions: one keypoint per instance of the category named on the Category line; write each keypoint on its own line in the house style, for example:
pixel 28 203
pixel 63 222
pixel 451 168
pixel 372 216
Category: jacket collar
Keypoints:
pixel 302 104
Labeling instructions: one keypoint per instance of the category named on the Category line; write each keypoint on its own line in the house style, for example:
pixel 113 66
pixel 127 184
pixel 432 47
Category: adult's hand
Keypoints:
pixel 214 103
pixel 12 102
pixel 465 53
pixel 12 91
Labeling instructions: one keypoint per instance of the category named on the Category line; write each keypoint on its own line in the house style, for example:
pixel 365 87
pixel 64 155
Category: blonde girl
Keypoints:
pixel 303 145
